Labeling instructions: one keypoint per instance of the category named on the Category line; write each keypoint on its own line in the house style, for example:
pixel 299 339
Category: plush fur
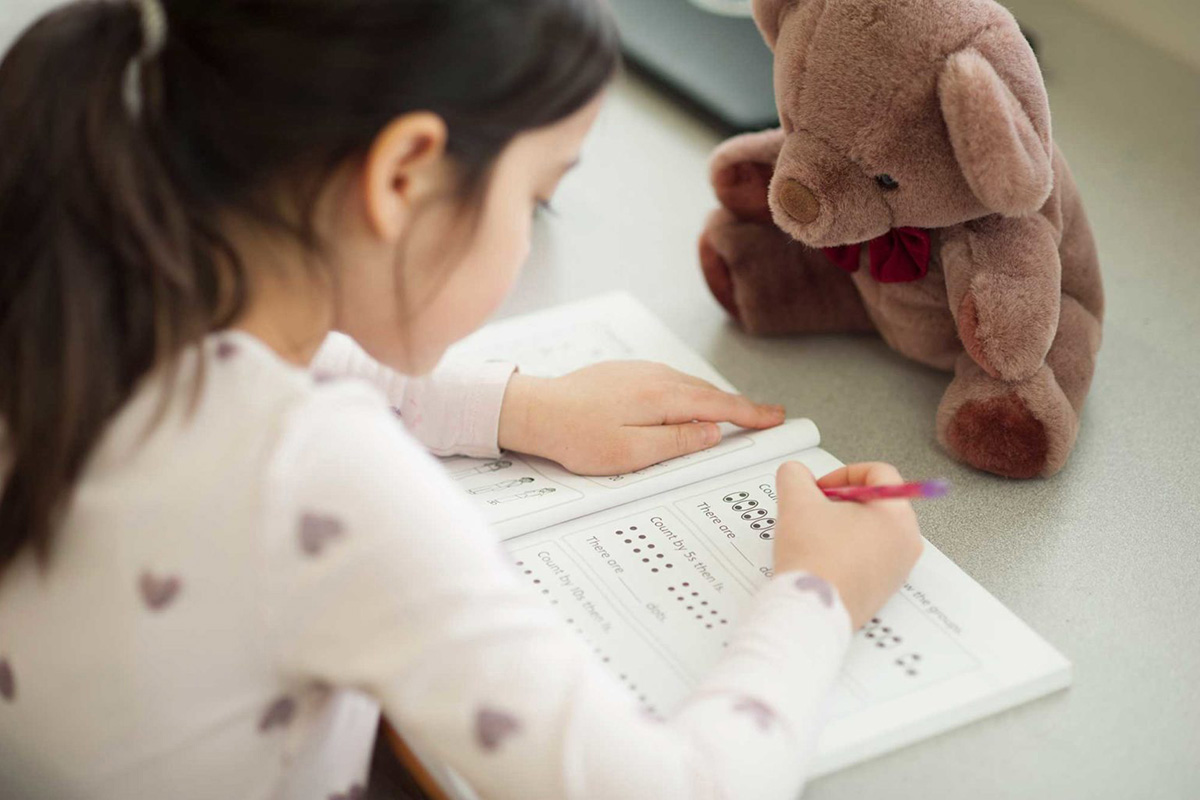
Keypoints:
pixel 946 98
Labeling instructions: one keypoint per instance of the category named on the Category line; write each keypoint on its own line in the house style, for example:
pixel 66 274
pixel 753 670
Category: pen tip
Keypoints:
pixel 935 489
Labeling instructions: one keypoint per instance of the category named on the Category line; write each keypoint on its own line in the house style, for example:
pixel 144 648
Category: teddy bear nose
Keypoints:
pixel 799 202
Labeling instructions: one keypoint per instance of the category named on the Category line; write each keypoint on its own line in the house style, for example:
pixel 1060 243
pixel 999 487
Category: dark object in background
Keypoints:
pixel 717 66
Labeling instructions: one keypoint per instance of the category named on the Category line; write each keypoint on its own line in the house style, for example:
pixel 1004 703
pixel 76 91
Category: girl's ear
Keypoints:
pixel 402 165
pixel 769 16
pixel 1005 159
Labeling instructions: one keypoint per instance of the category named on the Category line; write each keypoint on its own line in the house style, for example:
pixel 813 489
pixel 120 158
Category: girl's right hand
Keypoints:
pixel 866 550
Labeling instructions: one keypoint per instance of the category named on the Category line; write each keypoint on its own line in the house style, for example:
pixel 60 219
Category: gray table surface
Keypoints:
pixel 1104 559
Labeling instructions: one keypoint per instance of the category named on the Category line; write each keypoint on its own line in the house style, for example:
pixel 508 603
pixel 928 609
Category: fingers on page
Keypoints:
pixel 869 474
pixel 713 405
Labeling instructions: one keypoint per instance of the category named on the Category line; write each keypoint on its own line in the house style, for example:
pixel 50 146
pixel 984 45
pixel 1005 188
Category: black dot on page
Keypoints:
pixel 685 585
pixel 528 572
pixel 537 580
pixel 654 569
pixel 670 565
pixel 659 555
pixel 637 549
pixel 620 532
pixel 670 588
pixel 629 541
pixel 650 546
pixel 633 527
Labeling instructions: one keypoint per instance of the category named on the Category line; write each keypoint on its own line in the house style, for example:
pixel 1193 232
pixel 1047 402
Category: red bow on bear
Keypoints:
pixel 899 256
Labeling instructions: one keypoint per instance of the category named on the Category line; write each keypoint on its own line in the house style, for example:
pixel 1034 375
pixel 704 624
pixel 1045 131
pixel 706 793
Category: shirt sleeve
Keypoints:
pixel 455 411
pixel 382 577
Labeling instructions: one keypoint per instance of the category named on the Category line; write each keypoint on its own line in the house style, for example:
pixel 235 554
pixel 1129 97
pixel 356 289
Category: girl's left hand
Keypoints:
pixel 621 416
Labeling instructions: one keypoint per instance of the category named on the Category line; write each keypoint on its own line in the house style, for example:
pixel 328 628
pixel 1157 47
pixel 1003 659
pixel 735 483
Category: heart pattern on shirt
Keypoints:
pixel 763 716
pixel 653 716
pixel 159 592
pixel 278 715
pixel 226 350
pixel 493 727
pixel 818 586
pixel 355 792
pixel 8 681
pixel 317 530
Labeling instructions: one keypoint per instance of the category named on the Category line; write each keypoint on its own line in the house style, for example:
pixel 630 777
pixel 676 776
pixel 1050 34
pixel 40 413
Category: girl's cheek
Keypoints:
pixel 516 252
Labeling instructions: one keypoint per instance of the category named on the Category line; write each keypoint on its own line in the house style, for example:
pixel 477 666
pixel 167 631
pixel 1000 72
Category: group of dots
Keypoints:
pixel 884 638
pixel 596 650
pixel 881 634
pixel 751 512
pixel 684 589
pixel 686 594
pixel 657 560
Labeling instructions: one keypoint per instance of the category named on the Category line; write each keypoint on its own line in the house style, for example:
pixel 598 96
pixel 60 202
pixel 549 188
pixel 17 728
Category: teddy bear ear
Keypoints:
pixel 769 16
pixel 1006 161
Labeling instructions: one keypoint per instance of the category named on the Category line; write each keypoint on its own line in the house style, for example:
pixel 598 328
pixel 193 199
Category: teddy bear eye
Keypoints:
pixel 887 182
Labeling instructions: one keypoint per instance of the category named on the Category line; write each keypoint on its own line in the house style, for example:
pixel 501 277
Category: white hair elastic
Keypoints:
pixel 154 39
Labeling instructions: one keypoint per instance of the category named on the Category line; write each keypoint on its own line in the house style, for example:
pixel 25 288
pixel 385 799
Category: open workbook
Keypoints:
pixel 652 569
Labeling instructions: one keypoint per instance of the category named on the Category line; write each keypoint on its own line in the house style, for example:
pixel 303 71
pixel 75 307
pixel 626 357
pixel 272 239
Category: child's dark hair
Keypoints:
pixel 109 244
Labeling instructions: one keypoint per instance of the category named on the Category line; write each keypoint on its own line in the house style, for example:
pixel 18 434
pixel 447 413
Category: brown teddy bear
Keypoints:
pixel 914 190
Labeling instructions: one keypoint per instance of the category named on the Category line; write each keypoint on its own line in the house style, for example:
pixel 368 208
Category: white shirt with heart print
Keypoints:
pixel 241 583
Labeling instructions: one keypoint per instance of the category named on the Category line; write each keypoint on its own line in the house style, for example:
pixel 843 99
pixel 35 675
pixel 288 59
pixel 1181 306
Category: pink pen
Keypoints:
pixel 925 490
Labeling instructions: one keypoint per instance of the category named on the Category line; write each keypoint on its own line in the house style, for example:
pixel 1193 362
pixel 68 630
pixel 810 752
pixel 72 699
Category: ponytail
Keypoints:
pixel 121 149
pixel 100 274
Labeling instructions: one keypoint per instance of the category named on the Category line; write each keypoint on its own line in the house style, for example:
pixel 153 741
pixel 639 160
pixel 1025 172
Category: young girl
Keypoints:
pixel 218 567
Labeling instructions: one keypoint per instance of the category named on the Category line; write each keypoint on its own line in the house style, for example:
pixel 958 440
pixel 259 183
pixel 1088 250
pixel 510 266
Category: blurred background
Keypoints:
pixel 708 55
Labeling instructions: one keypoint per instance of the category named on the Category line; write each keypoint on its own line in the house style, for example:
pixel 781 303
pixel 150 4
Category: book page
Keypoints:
pixel 558 340
pixel 656 588
pixel 520 493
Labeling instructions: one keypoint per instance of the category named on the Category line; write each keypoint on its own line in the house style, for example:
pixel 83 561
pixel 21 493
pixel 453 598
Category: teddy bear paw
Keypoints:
pixel 999 435
pixel 718 276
